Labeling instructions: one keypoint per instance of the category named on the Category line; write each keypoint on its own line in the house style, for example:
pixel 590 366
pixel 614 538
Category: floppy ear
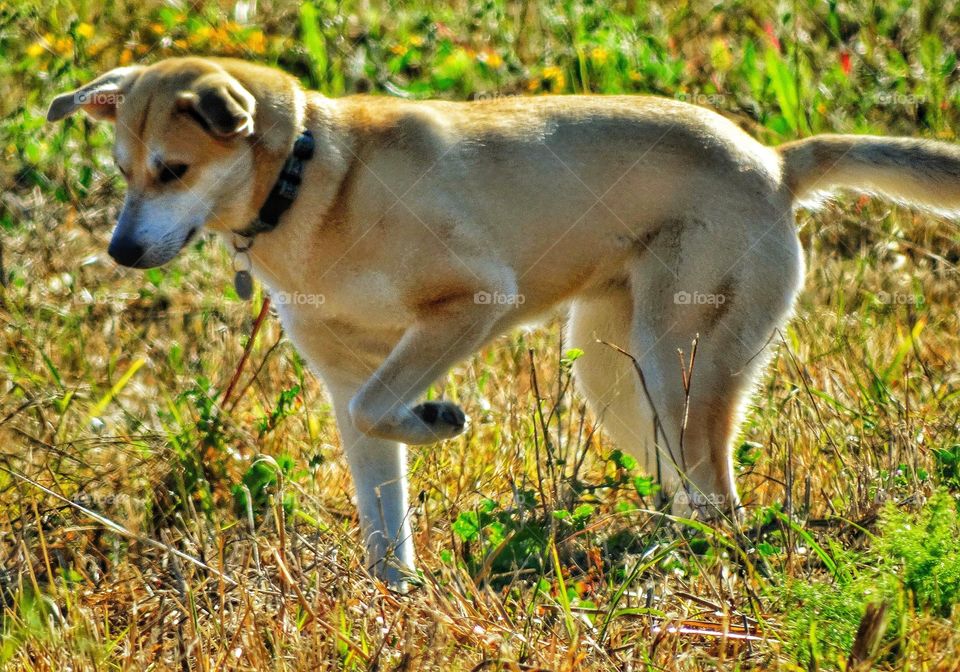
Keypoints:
pixel 221 104
pixel 99 98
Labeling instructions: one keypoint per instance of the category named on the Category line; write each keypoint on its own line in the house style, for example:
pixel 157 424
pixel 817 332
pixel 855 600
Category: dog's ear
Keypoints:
pixel 221 104
pixel 99 98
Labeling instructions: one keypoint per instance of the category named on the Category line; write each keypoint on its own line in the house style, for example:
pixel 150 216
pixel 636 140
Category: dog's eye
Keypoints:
pixel 171 173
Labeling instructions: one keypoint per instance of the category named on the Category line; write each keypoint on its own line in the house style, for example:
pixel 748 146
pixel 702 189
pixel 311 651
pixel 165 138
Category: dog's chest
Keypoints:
pixel 336 334
pixel 361 298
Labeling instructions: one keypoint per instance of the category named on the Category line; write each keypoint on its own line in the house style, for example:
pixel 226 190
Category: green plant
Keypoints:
pixel 947 465
pixel 913 563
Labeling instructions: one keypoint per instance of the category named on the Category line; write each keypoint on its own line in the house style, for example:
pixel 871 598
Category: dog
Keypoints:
pixel 424 229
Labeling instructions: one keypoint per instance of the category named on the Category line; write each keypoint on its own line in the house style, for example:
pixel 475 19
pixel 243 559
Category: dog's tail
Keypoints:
pixel 924 173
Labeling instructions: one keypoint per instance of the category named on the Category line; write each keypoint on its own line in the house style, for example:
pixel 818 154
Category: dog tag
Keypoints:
pixel 243 284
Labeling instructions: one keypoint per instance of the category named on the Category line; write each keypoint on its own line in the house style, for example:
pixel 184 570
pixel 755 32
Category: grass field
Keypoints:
pixel 146 525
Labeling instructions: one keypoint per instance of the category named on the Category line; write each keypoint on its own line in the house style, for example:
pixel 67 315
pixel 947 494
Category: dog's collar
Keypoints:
pixel 285 189
pixel 279 200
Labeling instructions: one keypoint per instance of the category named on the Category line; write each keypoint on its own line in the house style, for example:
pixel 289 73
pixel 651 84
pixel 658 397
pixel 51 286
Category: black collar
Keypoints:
pixel 285 189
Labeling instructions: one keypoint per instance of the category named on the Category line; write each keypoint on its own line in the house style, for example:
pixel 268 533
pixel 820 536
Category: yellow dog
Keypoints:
pixel 405 235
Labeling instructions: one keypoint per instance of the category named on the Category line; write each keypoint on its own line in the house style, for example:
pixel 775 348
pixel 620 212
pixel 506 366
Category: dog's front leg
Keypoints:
pixel 379 471
pixel 449 333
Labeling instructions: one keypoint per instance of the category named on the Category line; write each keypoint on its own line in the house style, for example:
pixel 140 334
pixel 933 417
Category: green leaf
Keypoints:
pixel 583 512
pixel 570 356
pixel 622 460
pixel 645 485
pixel 766 550
pixel 785 90
pixel 748 453
pixel 467 526
pixel 313 41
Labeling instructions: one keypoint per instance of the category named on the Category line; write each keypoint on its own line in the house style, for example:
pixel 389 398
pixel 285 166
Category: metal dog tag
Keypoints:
pixel 242 280
pixel 243 284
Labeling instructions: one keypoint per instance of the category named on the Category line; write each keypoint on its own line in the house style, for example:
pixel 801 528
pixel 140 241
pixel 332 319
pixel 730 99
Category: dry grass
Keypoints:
pixel 95 411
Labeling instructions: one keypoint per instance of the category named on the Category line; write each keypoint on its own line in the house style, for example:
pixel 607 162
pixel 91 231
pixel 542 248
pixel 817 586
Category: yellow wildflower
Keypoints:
pixel 491 58
pixel 85 30
pixel 63 45
pixel 35 49
pixel 94 49
pixel 257 42
pixel 555 76
pixel 126 58
pixel 599 55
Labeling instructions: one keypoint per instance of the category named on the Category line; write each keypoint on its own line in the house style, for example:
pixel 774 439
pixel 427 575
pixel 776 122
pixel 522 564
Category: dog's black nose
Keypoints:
pixel 126 252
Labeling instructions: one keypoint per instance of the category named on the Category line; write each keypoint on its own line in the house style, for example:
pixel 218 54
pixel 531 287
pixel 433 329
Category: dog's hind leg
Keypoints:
pixel 728 287
pixel 599 325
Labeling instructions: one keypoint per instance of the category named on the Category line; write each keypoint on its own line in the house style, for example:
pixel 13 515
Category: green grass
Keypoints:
pixel 538 547
pixel 912 565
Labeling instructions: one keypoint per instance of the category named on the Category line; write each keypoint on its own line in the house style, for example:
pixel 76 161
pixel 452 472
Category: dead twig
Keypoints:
pixel 264 309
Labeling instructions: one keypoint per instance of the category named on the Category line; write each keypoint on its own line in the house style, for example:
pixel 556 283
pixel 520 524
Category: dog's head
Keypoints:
pixel 183 144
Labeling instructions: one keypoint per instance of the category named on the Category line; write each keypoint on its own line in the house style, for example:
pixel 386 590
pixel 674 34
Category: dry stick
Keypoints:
pixel 290 582
pixel 256 373
pixel 686 375
pixel 871 630
pixel 657 424
pixel 119 529
pixel 536 441
pixel 501 662
pixel 264 309
pixel 251 526
pixel 43 540
pixel 544 423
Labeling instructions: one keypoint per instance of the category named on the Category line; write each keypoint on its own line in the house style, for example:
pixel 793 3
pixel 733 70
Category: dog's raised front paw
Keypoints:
pixel 444 418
